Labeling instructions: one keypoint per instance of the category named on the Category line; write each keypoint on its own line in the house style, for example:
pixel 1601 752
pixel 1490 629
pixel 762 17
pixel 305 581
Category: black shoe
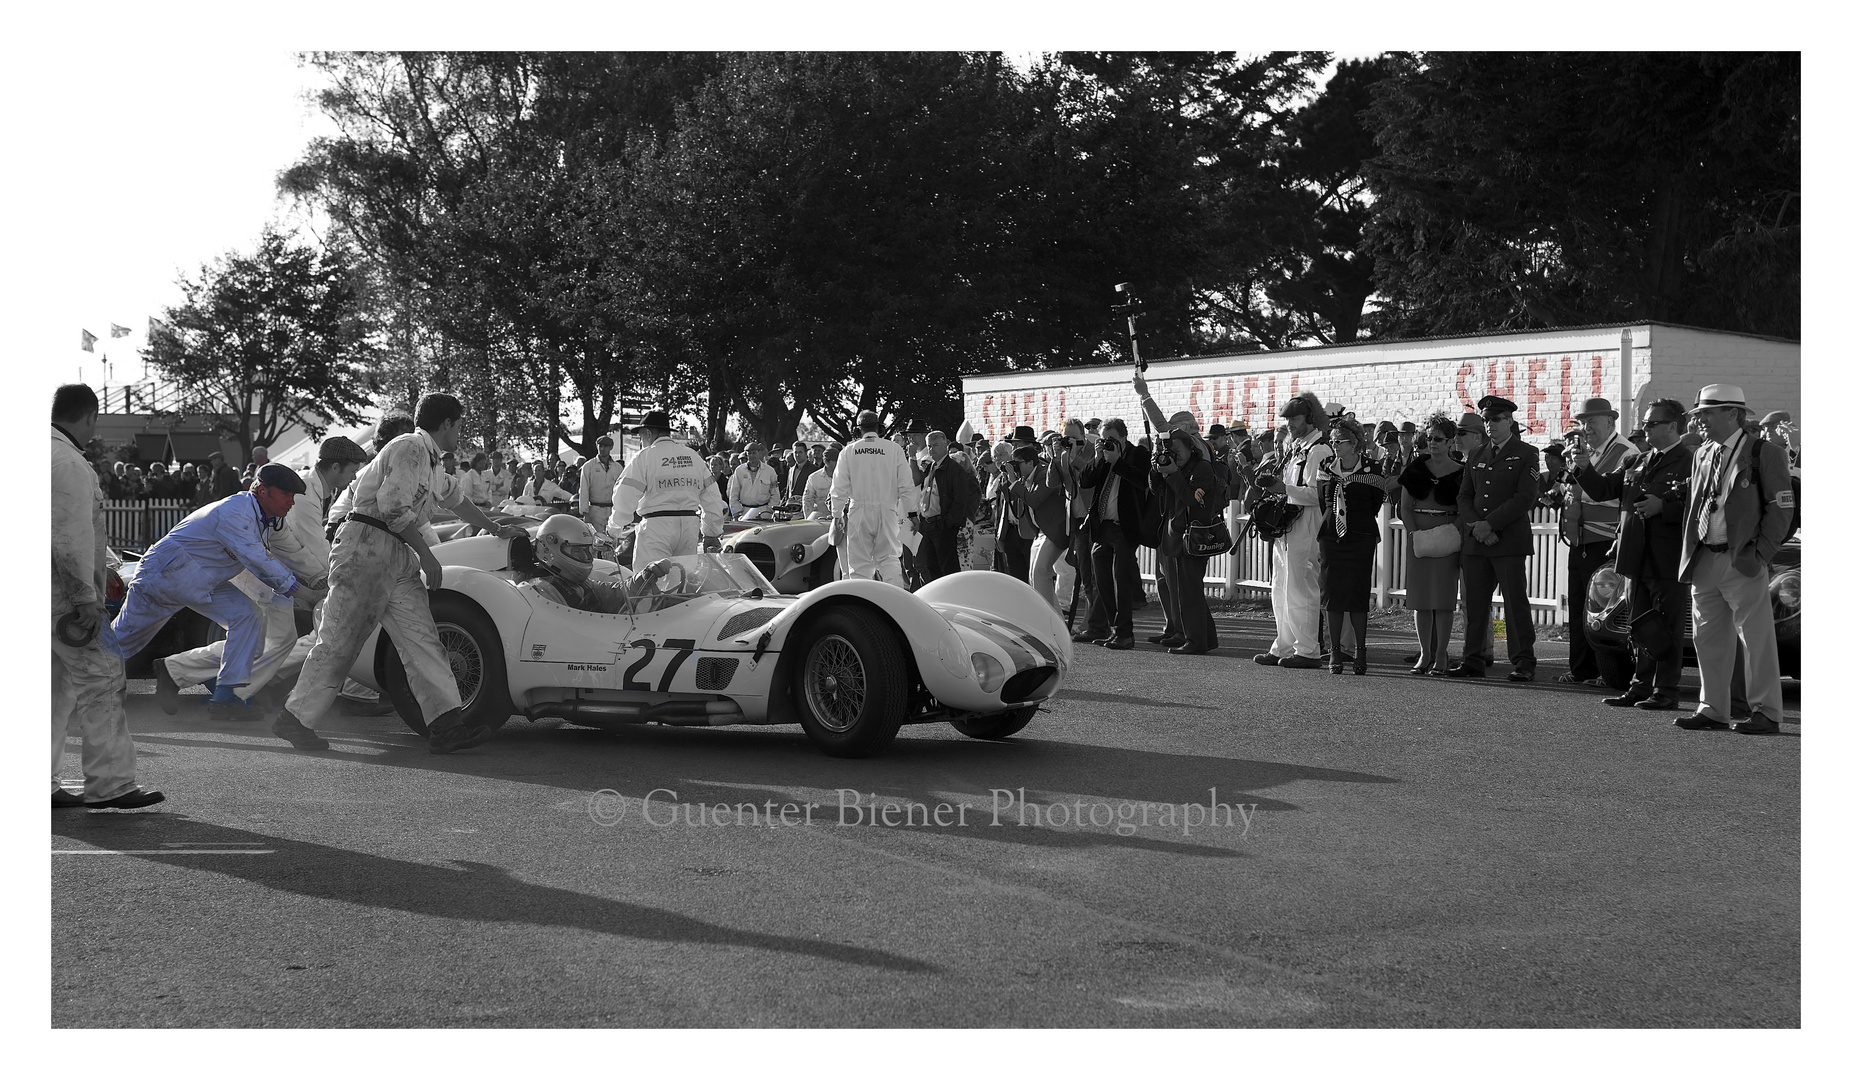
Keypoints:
pixel 1659 700
pixel 1419 669
pixel 1630 697
pixel 1188 650
pixel 450 732
pixel 1461 671
pixel 1086 637
pixel 1757 724
pixel 1700 722
pixel 64 800
pixel 1297 661
pixel 1118 643
pixel 133 799
pixel 295 732
pixel 166 690
pixel 1159 639
pixel 1412 658
pixel 1266 659
pixel 1521 676
pixel 1361 666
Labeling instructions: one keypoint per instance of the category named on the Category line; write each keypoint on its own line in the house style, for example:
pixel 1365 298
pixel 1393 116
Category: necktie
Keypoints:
pixel 1708 504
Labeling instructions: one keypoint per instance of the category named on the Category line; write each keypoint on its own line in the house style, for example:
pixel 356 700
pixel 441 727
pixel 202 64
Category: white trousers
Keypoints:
pixel 871 548
pixel 283 656
pixel 86 693
pixel 1726 607
pixel 663 537
pixel 1295 587
pixel 373 579
pixel 1050 573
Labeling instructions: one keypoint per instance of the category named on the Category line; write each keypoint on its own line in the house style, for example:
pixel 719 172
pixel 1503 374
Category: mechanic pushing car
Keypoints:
pixel 302 545
pixel 373 578
pixel 873 488
pixel 668 485
pixel 195 565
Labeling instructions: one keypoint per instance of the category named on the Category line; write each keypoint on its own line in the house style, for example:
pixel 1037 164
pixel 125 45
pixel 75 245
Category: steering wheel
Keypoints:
pixel 652 582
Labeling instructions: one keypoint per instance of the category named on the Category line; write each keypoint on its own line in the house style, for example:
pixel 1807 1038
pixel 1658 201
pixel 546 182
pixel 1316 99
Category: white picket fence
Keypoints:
pixel 1247 571
pixel 136 524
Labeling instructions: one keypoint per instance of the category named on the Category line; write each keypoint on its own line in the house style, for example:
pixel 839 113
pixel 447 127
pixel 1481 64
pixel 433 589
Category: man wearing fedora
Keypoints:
pixel 671 490
pixel 1016 530
pixel 1590 523
pixel 1496 495
pixel 1735 520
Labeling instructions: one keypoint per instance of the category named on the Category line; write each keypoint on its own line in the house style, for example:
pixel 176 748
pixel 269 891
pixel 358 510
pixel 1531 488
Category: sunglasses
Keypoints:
pixel 1650 424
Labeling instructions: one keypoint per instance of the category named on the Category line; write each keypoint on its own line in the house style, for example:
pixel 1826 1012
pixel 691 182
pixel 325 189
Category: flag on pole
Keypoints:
pixel 116 330
pixel 89 342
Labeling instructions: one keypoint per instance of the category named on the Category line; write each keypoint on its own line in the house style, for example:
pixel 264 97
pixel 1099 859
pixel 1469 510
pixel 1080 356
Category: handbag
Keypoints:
pixel 1437 543
pixel 1207 541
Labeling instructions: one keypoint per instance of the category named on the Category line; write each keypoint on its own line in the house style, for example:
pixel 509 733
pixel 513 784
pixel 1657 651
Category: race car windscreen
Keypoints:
pixel 714 573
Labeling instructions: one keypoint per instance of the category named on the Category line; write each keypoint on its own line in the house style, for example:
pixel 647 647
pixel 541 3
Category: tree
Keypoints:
pixel 270 340
pixel 1545 189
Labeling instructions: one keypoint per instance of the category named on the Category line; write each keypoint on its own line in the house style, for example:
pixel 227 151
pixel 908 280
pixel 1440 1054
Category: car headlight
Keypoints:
pixel 1604 588
pixel 798 552
pixel 989 671
pixel 1785 593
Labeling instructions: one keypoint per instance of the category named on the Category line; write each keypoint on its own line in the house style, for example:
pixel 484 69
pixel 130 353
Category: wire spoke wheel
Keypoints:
pixel 835 683
pixel 466 664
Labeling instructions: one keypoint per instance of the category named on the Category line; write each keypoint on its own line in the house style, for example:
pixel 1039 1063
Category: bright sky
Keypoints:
pixel 169 161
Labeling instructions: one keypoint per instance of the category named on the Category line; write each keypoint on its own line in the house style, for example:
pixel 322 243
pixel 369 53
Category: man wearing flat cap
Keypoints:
pixel 302 545
pixel 207 563
pixel 1735 520
pixel 1589 523
pixel 1497 492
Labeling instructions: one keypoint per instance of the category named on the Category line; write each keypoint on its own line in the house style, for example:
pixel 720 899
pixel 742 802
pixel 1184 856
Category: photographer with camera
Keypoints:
pixel 1116 478
pixel 1075 457
pixel 1291 497
pixel 1016 457
pixel 1195 498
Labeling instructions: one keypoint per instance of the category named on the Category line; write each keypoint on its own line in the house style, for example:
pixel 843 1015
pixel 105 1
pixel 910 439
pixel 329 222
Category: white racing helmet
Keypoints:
pixel 565 544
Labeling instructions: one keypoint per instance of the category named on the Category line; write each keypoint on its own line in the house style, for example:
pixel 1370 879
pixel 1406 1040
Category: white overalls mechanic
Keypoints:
pixel 302 545
pixel 669 486
pixel 754 483
pixel 86 679
pixel 873 488
pixel 374 579
pixel 597 480
pixel 193 567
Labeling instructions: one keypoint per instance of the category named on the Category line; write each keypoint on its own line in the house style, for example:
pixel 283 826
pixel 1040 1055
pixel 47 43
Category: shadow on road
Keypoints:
pixel 476 892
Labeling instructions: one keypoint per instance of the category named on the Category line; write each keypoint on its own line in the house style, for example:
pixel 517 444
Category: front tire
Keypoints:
pixel 849 683
pixel 999 726
pixel 475 662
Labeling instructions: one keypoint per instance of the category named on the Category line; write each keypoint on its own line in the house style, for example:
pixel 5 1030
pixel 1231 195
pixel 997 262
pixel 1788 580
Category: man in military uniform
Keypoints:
pixel 1590 522
pixel 1652 495
pixel 1496 496
pixel 667 486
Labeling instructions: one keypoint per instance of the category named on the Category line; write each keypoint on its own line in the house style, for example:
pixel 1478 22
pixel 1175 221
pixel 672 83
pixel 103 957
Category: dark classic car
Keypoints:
pixel 1608 617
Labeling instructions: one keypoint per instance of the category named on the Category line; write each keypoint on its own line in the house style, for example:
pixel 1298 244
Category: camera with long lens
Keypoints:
pixel 1129 307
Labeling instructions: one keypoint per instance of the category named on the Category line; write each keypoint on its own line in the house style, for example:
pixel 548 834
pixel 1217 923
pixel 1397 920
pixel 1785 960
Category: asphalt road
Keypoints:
pixel 1396 851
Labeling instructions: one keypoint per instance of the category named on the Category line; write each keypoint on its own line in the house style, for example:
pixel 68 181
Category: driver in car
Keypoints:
pixel 561 568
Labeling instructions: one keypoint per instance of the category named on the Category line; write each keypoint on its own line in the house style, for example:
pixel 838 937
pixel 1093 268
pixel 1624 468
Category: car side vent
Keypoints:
pixel 747 621
pixel 715 672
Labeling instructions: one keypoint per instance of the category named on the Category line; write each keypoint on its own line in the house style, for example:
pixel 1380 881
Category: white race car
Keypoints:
pixel 704 640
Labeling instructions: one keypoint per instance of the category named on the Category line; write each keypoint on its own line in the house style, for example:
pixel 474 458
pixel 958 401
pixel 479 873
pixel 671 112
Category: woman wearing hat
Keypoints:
pixel 1351 489
pixel 1430 494
pixel 1198 497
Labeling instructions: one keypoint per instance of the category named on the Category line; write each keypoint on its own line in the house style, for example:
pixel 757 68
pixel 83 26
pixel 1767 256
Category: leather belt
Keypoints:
pixel 671 513
pixel 377 524
pixel 600 504
pixel 1719 548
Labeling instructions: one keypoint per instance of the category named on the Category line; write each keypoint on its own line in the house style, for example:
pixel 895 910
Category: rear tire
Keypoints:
pixel 999 726
pixel 475 662
pixel 849 681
